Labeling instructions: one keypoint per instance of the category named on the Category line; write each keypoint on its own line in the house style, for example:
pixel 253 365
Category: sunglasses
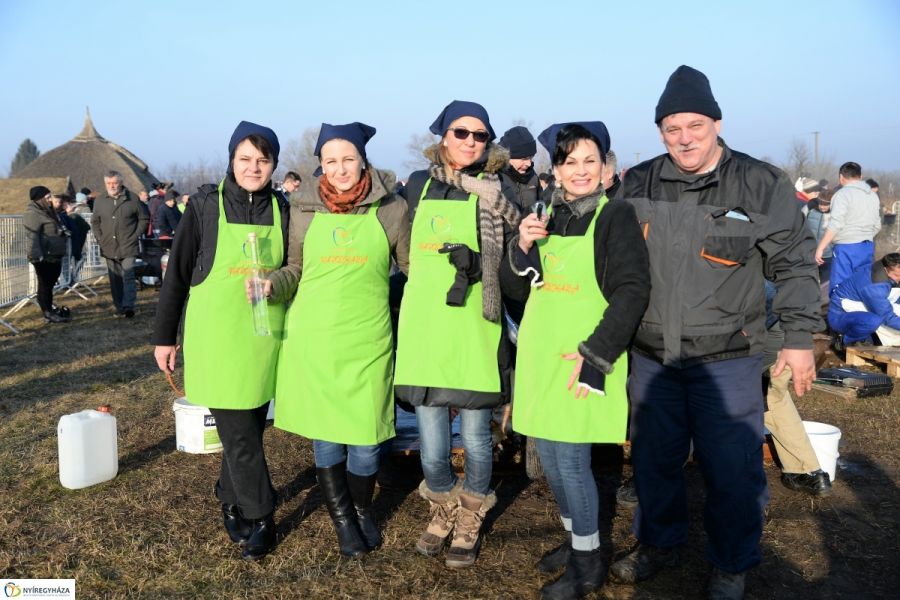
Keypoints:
pixel 462 133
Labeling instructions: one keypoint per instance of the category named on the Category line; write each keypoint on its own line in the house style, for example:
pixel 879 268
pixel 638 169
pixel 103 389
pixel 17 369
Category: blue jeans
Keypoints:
pixel 567 468
pixel 361 460
pixel 434 442
pixel 719 406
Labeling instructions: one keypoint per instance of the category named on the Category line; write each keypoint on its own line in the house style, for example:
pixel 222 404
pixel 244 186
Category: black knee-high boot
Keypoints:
pixel 362 488
pixel 333 482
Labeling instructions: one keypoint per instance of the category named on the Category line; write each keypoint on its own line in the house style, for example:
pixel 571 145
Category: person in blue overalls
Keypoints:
pixel 871 285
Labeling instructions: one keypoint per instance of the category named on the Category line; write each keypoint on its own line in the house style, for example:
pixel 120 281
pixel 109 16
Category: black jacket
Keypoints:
pixel 194 247
pixel 621 267
pixel 525 189
pixel 118 223
pixel 167 219
pixel 713 239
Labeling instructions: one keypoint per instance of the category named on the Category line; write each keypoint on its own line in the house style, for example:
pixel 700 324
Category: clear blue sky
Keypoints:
pixel 170 80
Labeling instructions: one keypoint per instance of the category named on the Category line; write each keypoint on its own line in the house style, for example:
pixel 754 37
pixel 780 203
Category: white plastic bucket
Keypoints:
pixel 88 449
pixel 824 439
pixel 195 428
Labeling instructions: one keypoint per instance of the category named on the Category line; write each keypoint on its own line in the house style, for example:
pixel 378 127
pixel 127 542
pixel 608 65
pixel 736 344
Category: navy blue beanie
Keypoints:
pixel 457 109
pixel 519 142
pixel 244 130
pixel 595 128
pixel 687 91
pixel 356 133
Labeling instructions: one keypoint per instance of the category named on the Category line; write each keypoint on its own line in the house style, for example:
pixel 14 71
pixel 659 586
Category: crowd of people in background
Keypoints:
pixel 647 303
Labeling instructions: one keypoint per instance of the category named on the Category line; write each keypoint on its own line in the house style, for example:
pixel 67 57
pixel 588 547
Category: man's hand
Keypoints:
pixel 802 364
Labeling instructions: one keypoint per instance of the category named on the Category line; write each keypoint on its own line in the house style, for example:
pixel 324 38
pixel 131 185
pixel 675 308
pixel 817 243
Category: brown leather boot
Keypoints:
pixel 443 508
pixel 467 533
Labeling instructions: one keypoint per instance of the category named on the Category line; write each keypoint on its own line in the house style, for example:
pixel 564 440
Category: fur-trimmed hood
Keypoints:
pixel 492 161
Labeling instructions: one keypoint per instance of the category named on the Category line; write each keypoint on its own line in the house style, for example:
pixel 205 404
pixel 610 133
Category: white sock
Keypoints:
pixel 567 523
pixel 586 543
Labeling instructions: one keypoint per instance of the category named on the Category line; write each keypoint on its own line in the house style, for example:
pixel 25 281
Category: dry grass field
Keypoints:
pixel 154 530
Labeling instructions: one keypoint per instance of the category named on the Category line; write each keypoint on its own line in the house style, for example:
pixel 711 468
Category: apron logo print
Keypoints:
pixel 341 237
pixel 440 224
pixel 553 263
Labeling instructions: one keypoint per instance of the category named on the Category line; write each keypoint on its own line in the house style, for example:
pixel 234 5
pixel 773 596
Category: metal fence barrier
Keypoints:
pixel 18 281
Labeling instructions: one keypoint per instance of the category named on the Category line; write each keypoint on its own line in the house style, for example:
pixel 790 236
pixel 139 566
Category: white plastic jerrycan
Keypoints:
pixel 88 449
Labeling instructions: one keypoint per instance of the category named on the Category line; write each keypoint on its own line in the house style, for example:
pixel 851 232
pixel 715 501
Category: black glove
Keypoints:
pixel 464 259
pixel 592 378
pixel 468 271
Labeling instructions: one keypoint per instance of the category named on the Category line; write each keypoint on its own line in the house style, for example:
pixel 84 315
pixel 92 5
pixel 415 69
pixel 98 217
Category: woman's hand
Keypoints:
pixel 265 288
pixel 580 390
pixel 165 358
pixel 531 229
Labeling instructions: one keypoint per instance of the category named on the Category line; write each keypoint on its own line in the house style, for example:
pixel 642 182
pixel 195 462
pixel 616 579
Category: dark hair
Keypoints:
pixel 850 170
pixel 292 175
pixel 891 260
pixel 872 183
pixel 547 177
pixel 566 140
pixel 260 143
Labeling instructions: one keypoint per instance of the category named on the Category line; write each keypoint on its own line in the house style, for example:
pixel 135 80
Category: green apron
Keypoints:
pixel 558 316
pixel 334 371
pixel 226 365
pixel 442 346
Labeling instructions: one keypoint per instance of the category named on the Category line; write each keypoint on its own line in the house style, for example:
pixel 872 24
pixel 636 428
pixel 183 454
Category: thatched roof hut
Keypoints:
pixel 86 158
pixel 14 192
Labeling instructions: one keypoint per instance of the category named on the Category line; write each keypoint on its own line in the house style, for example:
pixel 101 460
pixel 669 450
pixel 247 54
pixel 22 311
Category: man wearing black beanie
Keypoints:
pixel 717 223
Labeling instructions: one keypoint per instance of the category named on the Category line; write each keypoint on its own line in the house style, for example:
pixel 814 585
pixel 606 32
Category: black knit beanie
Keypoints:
pixel 519 142
pixel 687 91
pixel 38 192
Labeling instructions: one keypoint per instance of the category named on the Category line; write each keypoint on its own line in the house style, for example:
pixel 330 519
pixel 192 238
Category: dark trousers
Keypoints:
pixel 47 274
pixel 244 479
pixel 719 406
pixel 122 284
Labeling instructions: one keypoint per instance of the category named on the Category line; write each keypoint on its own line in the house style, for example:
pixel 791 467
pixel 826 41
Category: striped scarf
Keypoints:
pixel 493 210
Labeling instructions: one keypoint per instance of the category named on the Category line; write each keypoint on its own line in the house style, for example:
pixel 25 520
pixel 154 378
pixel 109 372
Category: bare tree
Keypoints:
pixel 416 146
pixel 298 154
pixel 799 162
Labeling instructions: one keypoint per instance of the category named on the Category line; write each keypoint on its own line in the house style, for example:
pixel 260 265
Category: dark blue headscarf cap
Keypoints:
pixel 244 130
pixel 596 128
pixel 356 133
pixel 457 109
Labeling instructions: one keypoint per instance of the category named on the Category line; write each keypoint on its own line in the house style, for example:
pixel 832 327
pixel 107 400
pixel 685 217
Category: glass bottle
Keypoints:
pixel 258 302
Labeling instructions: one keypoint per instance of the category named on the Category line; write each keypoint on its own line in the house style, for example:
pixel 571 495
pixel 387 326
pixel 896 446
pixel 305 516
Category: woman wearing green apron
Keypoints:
pixel 452 350
pixel 590 284
pixel 228 368
pixel 335 370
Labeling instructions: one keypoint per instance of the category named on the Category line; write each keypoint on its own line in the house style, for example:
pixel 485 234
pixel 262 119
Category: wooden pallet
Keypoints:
pixel 840 391
pixel 888 356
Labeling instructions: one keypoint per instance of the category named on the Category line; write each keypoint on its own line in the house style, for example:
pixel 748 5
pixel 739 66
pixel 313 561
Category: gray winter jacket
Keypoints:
pixel 392 214
pixel 713 239
pixel 47 236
